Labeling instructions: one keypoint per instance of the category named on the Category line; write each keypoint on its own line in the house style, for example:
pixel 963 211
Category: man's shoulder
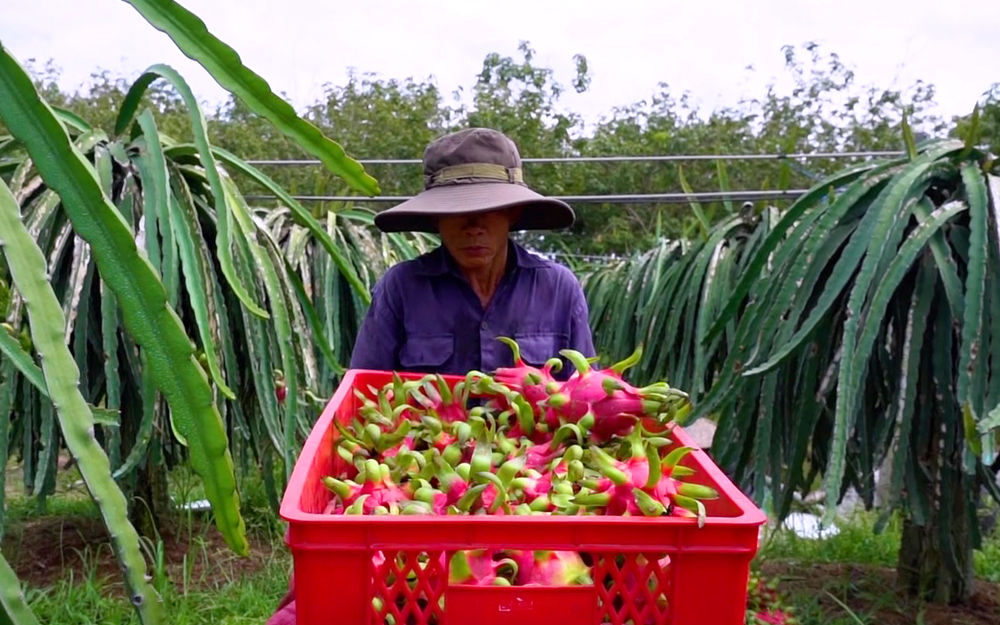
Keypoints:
pixel 550 275
pixel 424 264
pixel 530 260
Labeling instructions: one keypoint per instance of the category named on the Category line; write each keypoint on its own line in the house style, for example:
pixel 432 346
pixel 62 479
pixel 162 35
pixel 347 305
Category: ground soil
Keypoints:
pixel 44 550
pixel 41 551
pixel 871 594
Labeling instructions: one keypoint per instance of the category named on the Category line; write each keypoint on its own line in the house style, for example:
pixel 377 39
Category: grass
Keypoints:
pixel 858 543
pixel 89 600
pixel 784 554
pixel 847 579
pixel 199 580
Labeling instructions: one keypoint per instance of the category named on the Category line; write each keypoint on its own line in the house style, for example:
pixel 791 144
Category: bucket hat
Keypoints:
pixel 473 171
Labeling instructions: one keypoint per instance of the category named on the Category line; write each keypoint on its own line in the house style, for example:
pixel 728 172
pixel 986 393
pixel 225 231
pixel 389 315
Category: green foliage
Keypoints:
pixel 859 329
pixel 120 244
pixel 322 273
pixel 983 126
pixel 226 67
pixel 12 601
pixel 856 542
pixel 667 297
pixel 139 293
pixel 207 587
pixel 28 270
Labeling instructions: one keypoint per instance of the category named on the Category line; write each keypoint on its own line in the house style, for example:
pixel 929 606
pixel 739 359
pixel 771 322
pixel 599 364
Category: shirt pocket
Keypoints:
pixel 427 354
pixel 537 347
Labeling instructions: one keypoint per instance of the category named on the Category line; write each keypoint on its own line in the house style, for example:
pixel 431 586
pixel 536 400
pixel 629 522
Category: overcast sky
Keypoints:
pixel 699 46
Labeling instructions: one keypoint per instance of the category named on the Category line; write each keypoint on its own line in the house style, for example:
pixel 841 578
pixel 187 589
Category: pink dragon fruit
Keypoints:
pixel 776 617
pixel 533 484
pixel 480 567
pixel 536 385
pixel 496 488
pixel 538 457
pixel 376 491
pixel 550 568
pixel 558 568
pixel 600 400
pixel 643 484
pixel 620 491
pixel 492 500
pixel 765 603
pixel 541 456
pixel 435 434
pixel 440 401
pixel 453 485
pixel 436 500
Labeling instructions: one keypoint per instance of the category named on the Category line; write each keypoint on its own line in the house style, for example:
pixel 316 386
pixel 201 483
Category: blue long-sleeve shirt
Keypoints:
pixel 425 317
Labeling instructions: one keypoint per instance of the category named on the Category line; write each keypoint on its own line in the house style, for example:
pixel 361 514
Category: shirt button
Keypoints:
pixel 485 326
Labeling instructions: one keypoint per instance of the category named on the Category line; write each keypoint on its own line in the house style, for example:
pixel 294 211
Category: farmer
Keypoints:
pixel 442 312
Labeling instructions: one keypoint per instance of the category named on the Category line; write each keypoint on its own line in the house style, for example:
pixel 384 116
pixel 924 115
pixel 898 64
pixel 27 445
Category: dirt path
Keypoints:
pixel 872 596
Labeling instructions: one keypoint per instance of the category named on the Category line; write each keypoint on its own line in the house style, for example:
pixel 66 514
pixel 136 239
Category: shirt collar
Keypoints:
pixel 439 262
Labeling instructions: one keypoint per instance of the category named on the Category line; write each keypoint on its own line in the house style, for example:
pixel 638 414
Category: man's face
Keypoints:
pixel 475 240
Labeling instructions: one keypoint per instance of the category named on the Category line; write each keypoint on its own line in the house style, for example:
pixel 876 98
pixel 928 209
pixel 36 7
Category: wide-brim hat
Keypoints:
pixel 473 171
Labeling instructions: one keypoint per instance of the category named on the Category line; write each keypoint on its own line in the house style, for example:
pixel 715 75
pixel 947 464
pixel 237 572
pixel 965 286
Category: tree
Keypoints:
pixel 985 121
pixel 375 118
pixel 825 110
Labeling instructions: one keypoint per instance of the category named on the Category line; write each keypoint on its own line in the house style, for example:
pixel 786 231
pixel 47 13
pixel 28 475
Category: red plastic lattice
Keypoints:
pixel 408 587
pixel 633 588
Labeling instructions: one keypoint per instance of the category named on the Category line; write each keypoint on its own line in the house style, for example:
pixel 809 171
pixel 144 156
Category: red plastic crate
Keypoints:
pixel 703 584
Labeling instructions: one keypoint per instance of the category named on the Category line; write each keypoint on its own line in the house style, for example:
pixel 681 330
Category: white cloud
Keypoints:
pixel 701 47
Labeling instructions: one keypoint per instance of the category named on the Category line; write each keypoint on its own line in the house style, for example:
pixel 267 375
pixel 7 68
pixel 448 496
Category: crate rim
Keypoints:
pixel 289 510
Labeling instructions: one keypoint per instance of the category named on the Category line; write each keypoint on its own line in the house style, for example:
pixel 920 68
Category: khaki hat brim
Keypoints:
pixel 418 213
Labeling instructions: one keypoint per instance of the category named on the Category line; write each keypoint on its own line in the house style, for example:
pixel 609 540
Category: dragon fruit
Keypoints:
pixel 408 444
pixel 603 403
pixel 453 484
pixel 440 401
pixel 434 433
pixel 533 484
pixel 765 603
pixel 643 484
pixel 480 567
pixel 538 457
pixel 488 567
pixel 776 616
pixel 493 501
pixel 621 490
pixel 543 456
pixel 377 490
pixel 550 568
pixel 435 499
pixel 535 384
pixel 559 568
